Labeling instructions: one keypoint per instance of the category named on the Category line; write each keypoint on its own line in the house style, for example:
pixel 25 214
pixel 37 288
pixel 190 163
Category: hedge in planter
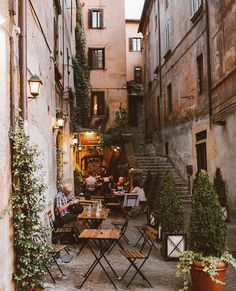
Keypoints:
pixel 171 218
pixel 219 186
pixel 207 238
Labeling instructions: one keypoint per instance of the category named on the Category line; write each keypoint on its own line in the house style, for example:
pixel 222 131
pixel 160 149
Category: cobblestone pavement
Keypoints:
pixel 159 272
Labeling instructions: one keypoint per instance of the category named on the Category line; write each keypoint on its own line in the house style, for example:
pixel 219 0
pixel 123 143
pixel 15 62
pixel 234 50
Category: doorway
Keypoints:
pixel 201 156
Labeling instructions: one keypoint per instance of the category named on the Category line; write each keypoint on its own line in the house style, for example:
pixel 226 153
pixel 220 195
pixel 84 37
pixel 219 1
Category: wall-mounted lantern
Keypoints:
pixel 75 139
pixel 34 86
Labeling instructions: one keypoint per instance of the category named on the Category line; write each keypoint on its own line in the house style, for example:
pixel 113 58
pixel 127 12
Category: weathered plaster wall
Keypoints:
pixel 6 239
pixel 133 59
pixel 112 79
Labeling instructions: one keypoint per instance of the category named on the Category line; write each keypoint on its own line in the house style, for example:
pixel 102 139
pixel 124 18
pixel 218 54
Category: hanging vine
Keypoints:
pixel 79 103
pixel 31 250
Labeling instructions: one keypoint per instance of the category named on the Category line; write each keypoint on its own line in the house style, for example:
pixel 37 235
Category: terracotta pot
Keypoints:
pixel 201 281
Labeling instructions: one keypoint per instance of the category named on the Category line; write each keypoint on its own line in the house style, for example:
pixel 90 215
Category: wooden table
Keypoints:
pixel 92 220
pixel 104 240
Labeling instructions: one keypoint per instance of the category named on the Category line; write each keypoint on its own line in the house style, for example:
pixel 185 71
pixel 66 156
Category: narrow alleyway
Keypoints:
pixel 160 273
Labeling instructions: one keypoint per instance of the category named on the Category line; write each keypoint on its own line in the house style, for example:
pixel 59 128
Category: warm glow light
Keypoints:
pixel 60 121
pixel 80 148
pixel 75 140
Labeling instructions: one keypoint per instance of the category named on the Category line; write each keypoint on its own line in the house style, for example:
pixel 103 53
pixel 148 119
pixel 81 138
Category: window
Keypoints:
pixel 167 36
pixel 200 73
pixel 95 18
pixel 137 74
pixel 96 58
pixel 98 103
pixel 135 44
pixel 159 109
pixel 169 96
pixel 195 6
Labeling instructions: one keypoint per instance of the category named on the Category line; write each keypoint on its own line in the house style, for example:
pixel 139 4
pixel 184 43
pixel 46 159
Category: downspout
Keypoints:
pixel 23 57
pixel 209 81
pixel 159 48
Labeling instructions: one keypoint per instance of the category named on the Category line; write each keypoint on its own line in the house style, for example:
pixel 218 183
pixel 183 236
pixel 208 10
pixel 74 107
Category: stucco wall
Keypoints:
pixel 6 242
pixel 112 79
pixel 133 59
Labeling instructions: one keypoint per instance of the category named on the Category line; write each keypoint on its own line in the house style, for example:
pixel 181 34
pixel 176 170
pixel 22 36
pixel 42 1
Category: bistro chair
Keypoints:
pixel 134 256
pixel 130 203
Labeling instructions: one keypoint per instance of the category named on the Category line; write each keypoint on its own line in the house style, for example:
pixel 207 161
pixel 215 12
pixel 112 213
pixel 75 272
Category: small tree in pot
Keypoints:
pixel 171 218
pixel 207 258
pixel 219 186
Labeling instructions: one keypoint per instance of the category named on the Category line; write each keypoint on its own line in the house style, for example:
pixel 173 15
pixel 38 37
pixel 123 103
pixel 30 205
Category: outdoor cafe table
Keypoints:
pixel 93 220
pixel 103 239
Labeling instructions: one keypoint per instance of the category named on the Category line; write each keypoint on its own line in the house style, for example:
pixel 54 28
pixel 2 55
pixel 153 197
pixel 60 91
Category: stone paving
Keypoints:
pixel 159 272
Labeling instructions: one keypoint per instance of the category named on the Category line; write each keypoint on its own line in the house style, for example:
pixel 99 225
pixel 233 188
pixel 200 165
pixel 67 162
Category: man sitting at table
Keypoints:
pixel 67 205
pixel 91 185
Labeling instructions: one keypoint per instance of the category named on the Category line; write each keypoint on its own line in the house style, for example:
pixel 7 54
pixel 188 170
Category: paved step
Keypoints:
pixel 149 161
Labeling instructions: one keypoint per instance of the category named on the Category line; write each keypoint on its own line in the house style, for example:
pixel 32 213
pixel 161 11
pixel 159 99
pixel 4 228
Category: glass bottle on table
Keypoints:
pixel 89 210
pixel 98 210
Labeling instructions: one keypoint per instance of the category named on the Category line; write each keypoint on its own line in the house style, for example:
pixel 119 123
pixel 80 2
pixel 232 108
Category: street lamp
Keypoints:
pixel 60 121
pixel 34 85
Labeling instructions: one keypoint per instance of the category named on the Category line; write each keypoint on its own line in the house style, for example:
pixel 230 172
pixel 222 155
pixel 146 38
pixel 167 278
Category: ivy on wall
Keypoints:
pixel 79 103
pixel 28 201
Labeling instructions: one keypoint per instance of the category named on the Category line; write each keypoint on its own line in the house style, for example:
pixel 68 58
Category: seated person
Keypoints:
pixel 91 185
pixel 112 184
pixel 67 205
pixel 120 185
pixel 140 192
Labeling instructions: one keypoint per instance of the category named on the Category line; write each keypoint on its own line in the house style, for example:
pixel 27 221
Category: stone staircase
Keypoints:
pixel 149 160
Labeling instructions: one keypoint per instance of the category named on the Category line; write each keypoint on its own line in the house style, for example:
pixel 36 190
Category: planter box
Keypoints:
pixel 173 245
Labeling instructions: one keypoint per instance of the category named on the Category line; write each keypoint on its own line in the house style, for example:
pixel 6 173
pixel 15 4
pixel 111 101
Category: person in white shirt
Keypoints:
pixel 140 192
pixel 91 185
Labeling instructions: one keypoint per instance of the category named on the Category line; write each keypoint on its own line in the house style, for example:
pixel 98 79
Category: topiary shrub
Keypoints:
pixel 147 188
pixel 207 230
pixel 171 208
pixel 219 187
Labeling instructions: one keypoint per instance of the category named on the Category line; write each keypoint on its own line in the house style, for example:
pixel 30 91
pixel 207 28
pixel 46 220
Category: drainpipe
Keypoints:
pixel 209 92
pixel 159 48
pixel 23 57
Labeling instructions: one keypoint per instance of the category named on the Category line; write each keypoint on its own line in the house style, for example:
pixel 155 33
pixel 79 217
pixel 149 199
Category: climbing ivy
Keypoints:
pixel 79 103
pixel 31 250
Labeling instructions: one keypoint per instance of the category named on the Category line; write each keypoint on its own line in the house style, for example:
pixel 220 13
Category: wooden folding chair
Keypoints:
pixel 113 203
pixel 64 233
pixel 130 203
pixel 135 255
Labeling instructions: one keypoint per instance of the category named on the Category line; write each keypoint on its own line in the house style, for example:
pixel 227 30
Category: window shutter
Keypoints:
pixel 101 103
pixel 130 44
pixel 103 58
pixel 90 18
pixel 101 19
pixel 90 58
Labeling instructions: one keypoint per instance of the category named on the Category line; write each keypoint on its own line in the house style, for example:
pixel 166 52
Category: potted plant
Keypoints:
pixel 207 257
pixel 171 219
pixel 219 186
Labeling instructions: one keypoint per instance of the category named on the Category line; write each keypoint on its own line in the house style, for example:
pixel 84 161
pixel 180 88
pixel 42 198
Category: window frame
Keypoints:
pixel 133 44
pixel 99 18
pixel 91 55
pixel 200 72
pixel 170 98
pixel 101 104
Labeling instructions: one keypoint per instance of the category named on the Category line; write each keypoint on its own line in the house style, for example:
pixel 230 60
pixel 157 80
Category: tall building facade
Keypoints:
pixel 189 60
pixel 35 40
pixel 104 23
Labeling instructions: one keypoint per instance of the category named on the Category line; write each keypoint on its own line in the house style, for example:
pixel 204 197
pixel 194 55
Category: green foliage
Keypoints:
pixel 207 231
pixel 155 199
pixel 219 186
pixel 78 180
pixel 147 188
pixel 79 104
pixel 171 209
pixel 114 135
pixel 28 202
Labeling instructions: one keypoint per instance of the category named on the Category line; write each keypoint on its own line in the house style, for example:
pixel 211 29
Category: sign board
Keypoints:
pixel 89 139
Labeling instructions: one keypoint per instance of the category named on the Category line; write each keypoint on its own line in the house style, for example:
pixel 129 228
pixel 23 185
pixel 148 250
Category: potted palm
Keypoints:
pixel 219 186
pixel 207 257
pixel 171 218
